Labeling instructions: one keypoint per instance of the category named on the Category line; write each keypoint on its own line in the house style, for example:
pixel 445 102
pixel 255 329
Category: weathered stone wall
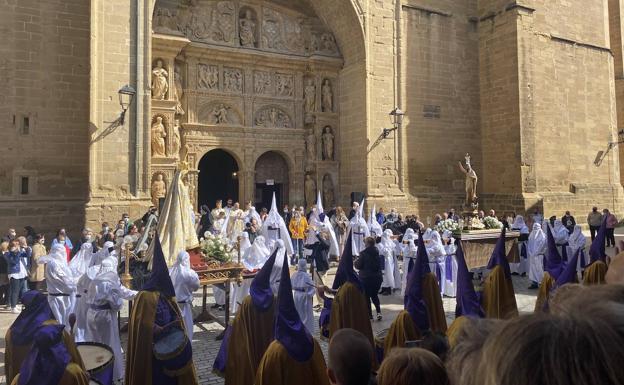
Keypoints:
pixel 44 113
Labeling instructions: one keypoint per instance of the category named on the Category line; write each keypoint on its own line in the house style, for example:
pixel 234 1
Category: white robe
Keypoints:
pixel 303 293
pixel 536 249
pixel 59 280
pixel 106 291
pixel 82 260
pixel 391 274
pixel 360 231
pixel 521 267
pixel 437 257
pixel 185 282
pixel 450 286
pixel 82 305
pixel 238 293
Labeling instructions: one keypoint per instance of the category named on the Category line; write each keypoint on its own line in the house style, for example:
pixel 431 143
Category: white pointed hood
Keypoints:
pixel 359 229
pixel 315 220
pixel 373 225
pixel 275 228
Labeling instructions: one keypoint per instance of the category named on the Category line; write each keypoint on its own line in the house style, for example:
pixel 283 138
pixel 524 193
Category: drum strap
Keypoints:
pixel 101 307
pixel 183 302
pixel 78 296
pixel 58 294
pixel 303 289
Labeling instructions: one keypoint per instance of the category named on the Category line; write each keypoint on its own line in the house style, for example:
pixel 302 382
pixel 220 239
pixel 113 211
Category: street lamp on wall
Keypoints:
pixel 396 118
pixel 126 95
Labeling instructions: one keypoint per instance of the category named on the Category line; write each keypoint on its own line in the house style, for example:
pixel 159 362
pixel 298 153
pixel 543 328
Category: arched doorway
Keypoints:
pixel 218 178
pixel 271 177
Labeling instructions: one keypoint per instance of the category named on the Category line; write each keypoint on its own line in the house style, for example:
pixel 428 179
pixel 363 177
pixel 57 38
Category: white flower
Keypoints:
pixel 207 234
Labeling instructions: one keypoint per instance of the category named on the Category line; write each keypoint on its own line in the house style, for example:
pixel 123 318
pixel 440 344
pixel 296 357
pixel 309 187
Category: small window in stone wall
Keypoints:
pixel 25 125
pixel 24 184
pixel 431 111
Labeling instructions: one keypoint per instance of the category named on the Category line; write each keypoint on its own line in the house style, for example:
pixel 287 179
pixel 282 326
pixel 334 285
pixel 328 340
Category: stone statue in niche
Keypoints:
pixel 327 102
pixel 158 137
pixel 160 85
pixel 262 82
pixel 208 77
pixel 247 28
pixel 328 143
pixel 309 186
pixel 328 190
pixel 176 141
pixel 220 114
pixel 273 117
pixel 159 189
pixel 309 96
pixel 311 146
pixel 284 84
pixel 233 80
pixel 178 90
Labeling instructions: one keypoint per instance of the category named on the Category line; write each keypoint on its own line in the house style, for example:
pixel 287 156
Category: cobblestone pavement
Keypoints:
pixel 205 348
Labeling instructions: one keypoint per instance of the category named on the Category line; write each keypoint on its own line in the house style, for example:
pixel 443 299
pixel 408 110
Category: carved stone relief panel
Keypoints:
pixel 268 27
pixel 284 85
pixel 272 117
pixel 220 113
pixel 233 80
pixel 207 77
pixel 263 83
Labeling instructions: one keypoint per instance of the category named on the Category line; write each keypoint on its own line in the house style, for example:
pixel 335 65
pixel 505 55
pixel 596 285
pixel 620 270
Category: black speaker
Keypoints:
pixel 357 196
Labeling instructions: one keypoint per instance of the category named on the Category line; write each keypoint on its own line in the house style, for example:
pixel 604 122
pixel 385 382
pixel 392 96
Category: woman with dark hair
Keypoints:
pixel 30 235
pixel 369 265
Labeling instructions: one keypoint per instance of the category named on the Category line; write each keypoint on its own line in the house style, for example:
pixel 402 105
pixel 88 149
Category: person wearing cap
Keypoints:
pixel 155 315
pixel 294 357
pixel 499 300
pixel 251 332
pixel 20 336
pixel 49 362
pixel 185 282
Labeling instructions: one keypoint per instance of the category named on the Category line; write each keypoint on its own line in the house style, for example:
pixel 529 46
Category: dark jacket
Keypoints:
pixel 569 222
pixel 205 224
pixel 13 260
pixel 320 250
pixel 369 263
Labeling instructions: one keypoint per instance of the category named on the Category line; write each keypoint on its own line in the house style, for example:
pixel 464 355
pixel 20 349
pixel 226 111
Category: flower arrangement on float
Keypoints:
pixel 475 223
pixel 492 223
pixel 216 247
pixel 446 225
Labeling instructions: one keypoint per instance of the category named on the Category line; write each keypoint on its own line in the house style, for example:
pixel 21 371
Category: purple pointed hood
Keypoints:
pixel 46 362
pixel 159 280
pixel 414 302
pixel 37 311
pixel 569 272
pixel 597 250
pixel 467 300
pixel 260 290
pixel 289 330
pixel 499 257
pixel 345 272
pixel 553 263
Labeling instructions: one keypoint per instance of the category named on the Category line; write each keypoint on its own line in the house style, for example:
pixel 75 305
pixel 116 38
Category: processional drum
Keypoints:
pixel 172 348
pixel 99 360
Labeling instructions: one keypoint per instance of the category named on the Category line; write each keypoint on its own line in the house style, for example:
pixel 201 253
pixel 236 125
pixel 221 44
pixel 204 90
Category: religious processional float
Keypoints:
pixel 478 236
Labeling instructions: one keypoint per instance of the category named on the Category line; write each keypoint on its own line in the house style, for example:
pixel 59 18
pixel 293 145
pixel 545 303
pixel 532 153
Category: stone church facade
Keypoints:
pixel 291 96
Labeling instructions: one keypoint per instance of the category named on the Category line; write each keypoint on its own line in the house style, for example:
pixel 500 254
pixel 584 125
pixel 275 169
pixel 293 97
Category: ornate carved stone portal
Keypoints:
pixel 246 77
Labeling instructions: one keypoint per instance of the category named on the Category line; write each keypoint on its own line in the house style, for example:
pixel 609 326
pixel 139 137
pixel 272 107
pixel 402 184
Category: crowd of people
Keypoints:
pixel 384 254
